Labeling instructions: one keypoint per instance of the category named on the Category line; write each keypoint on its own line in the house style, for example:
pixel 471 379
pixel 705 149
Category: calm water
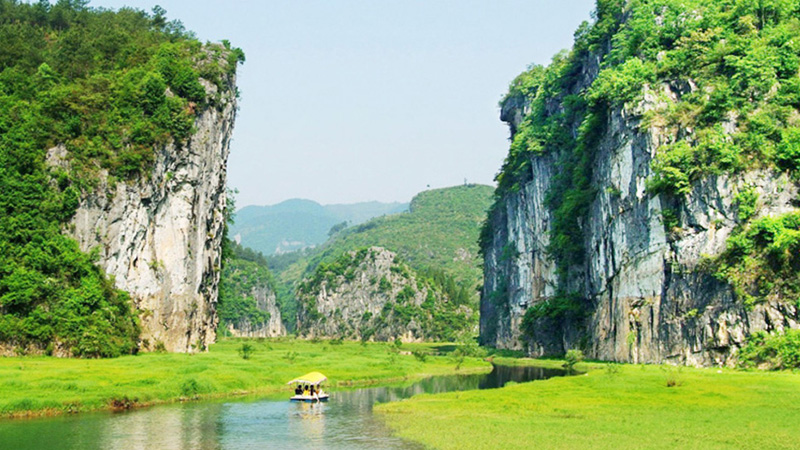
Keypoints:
pixel 345 422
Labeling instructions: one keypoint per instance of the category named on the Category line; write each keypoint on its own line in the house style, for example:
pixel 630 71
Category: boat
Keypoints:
pixel 313 379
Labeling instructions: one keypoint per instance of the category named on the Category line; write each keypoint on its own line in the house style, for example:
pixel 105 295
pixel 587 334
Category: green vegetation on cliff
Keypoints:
pixel 110 88
pixel 762 260
pixel 383 298
pixel 772 351
pixel 732 67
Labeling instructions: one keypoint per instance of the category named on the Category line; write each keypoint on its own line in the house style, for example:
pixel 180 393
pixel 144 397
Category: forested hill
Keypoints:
pixel 87 96
pixel 440 231
pixel 437 236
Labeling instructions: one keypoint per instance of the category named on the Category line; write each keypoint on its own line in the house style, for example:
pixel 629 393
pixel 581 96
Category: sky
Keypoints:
pixel 345 101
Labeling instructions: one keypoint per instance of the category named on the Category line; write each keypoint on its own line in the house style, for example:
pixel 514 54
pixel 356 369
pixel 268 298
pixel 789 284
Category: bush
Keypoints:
pixel 420 355
pixel 246 351
pixel 762 260
pixel 290 357
pixel 572 357
pixel 771 351
pixel 672 376
pixel 190 388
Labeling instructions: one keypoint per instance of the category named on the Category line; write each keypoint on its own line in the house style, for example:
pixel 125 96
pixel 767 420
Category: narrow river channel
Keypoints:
pixel 345 422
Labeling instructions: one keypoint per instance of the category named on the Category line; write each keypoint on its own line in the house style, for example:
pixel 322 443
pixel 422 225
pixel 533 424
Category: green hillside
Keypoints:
pixel 111 87
pixel 440 231
pixel 297 224
pixel 438 234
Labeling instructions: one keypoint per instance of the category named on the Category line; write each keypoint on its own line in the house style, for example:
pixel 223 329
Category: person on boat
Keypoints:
pixel 305 391
pixel 298 390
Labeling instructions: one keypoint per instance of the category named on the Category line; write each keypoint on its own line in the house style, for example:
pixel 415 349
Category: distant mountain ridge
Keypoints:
pixel 299 223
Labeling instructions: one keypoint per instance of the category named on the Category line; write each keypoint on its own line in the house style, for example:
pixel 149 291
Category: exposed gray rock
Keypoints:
pixel 650 302
pixel 376 298
pixel 159 236
pixel 266 301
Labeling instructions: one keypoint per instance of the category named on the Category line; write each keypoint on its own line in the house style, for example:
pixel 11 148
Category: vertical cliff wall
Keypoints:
pixel 265 300
pixel 638 283
pixel 160 235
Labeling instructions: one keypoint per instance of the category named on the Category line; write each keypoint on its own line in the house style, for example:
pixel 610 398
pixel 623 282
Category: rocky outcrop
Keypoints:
pixel 265 300
pixel 370 295
pixel 159 236
pixel 650 301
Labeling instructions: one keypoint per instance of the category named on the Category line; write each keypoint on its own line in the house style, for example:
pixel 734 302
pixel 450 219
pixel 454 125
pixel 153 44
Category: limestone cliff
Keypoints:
pixel 639 289
pixel 265 301
pixel 370 295
pixel 248 304
pixel 159 236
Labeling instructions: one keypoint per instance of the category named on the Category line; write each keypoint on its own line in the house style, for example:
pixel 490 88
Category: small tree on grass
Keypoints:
pixel 246 350
pixel 573 356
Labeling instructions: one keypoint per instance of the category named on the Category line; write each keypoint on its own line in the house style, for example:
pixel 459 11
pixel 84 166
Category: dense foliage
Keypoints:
pixel 762 260
pixel 732 66
pixel 772 351
pixel 444 313
pixel 109 87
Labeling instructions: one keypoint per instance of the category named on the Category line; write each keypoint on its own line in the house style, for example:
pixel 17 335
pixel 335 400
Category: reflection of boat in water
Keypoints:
pixel 308 388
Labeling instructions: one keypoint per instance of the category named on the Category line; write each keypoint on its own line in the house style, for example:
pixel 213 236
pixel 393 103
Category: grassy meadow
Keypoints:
pixel 46 385
pixel 611 406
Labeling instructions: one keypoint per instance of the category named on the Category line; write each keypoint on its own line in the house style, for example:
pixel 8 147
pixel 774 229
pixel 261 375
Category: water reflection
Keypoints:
pixel 345 422
pixel 165 427
pixel 176 427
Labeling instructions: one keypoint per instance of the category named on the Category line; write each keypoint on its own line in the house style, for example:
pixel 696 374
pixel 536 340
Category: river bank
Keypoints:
pixel 611 406
pixel 43 386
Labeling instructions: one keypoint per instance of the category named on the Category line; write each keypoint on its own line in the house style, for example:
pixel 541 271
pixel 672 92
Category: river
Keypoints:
pixel 345 422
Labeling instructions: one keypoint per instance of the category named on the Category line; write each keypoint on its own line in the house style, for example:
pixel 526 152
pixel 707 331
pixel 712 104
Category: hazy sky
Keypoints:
pixel 356 100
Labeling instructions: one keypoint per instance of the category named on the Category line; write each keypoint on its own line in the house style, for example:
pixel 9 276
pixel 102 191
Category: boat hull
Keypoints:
pixel 309 399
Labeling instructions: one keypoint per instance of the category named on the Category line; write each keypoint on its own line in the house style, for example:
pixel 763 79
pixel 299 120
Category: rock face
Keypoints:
pixel 265 300
pixel 369 295
pixel 649 301
pixel 160 236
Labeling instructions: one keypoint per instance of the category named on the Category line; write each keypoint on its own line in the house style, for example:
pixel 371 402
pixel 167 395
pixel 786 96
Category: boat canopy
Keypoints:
pixel 313 378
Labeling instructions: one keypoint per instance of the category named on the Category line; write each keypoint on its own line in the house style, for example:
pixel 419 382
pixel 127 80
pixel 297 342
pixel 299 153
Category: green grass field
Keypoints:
pixel 46 385
pixel 614 407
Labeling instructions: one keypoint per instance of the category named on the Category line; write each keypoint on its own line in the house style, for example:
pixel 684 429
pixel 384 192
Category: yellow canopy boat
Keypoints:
pixel 309 388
